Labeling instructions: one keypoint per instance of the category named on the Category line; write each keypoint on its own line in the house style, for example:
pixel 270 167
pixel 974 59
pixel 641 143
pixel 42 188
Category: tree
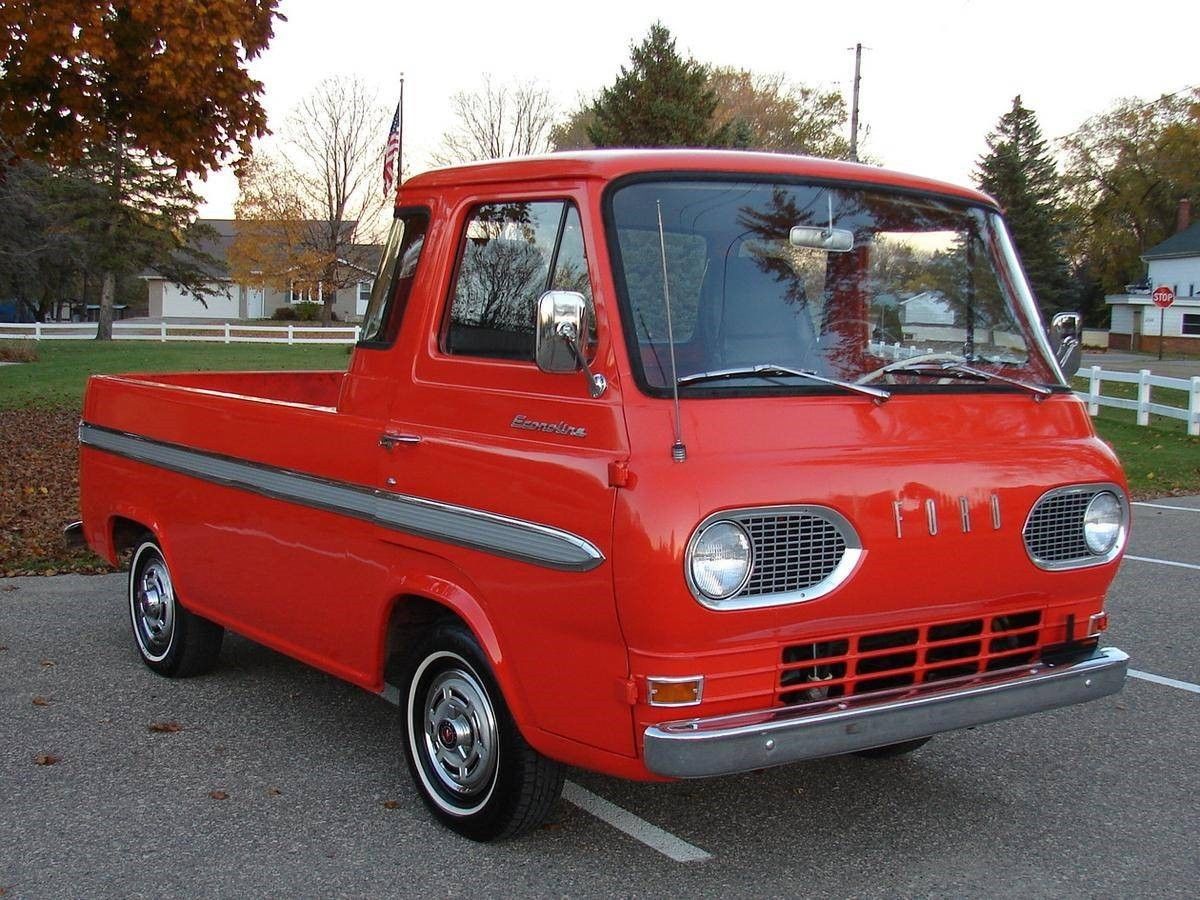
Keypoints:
pixel 304 212
pixel 497 122
pixel 1125 173
pixel 1020 173
pixel 660 100
pixel 767 112
pixel 134 92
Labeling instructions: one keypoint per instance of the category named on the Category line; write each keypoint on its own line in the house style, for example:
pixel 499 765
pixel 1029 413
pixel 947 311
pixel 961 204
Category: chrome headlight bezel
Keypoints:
pixel 712 530
pixel 1090 558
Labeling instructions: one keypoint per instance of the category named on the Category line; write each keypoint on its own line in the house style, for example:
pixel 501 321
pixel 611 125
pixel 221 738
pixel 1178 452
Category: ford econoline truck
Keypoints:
pixel 665 464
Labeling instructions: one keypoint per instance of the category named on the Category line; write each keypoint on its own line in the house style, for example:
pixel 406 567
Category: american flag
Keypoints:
pixel 390 157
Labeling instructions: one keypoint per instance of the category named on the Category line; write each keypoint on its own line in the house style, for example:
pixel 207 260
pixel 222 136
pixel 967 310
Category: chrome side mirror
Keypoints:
pixel 1066 333
pixel 562 321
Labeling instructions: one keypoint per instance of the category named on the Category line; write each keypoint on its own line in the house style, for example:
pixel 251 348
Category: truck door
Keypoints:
pixel 503 472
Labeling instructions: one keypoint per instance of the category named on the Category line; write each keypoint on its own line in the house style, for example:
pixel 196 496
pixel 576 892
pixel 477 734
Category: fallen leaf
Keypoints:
pixel 273 792
pixel 40 701
pixel 218 795
pixel 10 587
pixel 46 759
pixel 391 804
pixel 165 727
pixel 48 663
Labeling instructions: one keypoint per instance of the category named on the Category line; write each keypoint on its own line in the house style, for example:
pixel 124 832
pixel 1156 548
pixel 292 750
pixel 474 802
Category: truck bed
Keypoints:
pixel 309 388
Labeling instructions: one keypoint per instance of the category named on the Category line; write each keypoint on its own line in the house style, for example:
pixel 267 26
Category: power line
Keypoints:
pixel 1140 106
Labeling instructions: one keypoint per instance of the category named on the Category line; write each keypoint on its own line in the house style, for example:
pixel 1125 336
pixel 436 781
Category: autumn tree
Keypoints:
pixel 766 111
pixel 133 92
pixel 1125 173
pixel 659 100
pixel 1019 171
pixel 497 121
pixel 305 210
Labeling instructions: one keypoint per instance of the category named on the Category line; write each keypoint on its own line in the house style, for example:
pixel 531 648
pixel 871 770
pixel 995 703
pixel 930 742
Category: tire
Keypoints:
pixel 890 751
pixel 171 641
pixel 469 762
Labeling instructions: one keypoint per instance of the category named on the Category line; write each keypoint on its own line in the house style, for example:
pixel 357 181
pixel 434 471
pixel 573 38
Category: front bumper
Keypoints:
pixel 694 748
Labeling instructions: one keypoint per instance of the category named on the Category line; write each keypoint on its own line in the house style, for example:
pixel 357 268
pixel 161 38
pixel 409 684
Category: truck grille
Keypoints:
pixel 843 667
pixel 1054 532
pixel 792 552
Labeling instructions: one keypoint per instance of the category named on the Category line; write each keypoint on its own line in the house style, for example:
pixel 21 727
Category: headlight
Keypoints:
pixel 1102 523
pixel 720 560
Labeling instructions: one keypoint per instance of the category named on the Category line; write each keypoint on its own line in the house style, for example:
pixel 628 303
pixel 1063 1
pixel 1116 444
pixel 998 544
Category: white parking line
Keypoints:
pixel 1165 506
pixel 1163 562
pixel 1169 682
pixel 639 829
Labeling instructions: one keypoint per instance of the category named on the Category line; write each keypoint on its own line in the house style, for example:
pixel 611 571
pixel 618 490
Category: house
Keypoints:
pixel 1175 263
pixel 231 301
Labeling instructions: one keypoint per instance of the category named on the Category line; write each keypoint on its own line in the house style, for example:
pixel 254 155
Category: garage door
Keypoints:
pixel 223 305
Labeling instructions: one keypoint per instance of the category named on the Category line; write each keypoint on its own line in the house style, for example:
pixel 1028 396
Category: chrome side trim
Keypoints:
pixel 502 535
pixel 722 745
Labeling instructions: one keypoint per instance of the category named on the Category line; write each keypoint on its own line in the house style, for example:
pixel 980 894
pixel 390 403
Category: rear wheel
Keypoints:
pixel 171 641
pixel 892 750
pixel 473 769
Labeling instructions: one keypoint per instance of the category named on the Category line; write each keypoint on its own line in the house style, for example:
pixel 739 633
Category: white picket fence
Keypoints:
pixel 1144 405
pixel 163 331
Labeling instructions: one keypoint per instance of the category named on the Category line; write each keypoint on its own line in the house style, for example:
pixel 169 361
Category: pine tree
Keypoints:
pixel 660 100
pixel 1020 173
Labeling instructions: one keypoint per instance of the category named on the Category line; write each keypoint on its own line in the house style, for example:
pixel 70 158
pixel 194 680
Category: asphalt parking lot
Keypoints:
pixel 283 781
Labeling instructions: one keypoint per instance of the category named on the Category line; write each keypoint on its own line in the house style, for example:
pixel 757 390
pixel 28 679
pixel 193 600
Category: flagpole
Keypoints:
pixel 400 150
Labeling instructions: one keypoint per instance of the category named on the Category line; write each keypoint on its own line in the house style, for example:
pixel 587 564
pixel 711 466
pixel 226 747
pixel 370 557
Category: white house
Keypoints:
pixel 1175 263
pixel 231 301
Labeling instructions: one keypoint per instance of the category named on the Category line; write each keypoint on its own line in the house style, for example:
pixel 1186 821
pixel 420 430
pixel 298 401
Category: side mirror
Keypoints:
pixel 1066 332
pixel 562 321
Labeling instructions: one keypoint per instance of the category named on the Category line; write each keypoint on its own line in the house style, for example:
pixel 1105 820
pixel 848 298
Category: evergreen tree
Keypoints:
pixel 1019 172
pixel 660 100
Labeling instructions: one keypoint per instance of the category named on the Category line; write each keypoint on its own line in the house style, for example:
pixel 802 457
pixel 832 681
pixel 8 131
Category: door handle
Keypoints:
pixel 388 439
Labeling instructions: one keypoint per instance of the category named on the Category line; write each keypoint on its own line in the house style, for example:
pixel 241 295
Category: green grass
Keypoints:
pixel 58 377
pixel 1160 458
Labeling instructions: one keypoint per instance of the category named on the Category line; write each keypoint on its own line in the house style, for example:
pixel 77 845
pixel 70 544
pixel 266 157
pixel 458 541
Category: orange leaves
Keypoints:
pixel 183 62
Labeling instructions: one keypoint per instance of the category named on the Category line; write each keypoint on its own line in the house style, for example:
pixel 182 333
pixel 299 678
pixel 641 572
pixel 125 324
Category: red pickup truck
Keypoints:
pixel 663 464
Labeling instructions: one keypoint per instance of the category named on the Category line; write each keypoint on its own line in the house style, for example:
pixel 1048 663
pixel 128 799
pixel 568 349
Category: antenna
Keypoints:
pixel 678 450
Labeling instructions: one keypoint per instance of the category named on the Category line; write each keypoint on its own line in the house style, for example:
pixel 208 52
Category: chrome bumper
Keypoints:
pixel 694 748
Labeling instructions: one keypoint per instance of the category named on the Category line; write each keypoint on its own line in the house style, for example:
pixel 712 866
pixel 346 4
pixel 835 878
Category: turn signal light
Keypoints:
pixel 675 691
pixel 1097 624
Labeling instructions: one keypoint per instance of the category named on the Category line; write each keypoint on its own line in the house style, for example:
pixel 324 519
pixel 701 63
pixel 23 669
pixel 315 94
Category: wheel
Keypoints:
pixel 171 641
pixel 893 750
pixel 472 767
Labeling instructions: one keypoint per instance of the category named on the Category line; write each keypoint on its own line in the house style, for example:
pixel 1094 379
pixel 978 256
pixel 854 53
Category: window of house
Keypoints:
pixel 364 292
pixel 511 254
pixel 397 273
pixel 1191 323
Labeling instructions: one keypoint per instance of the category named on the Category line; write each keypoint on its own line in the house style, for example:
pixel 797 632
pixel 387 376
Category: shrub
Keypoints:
pixel 284 314
pixel 308 312
pixel 18 351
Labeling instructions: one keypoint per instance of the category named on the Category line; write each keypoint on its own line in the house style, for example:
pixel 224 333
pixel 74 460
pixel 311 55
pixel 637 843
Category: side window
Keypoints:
pixel 505 265
pixel 393 284
pixel 571 270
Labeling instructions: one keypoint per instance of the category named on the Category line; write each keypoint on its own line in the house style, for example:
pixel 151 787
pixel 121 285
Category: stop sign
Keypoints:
pixel 1163 296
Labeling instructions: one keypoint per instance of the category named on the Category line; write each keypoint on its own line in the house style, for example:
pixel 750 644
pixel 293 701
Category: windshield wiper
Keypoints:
pixel 770 369
pixel 941 366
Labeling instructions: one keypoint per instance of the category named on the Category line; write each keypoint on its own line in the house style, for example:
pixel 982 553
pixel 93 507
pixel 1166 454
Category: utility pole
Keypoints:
pixel 858 48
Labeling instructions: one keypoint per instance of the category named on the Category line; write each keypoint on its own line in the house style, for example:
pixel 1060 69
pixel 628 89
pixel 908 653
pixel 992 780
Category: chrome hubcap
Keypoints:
pixel 155 604
pixel 460 732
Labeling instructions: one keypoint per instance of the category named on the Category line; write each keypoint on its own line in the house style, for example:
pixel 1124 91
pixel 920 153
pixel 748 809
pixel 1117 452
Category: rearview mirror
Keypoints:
pixel 834 240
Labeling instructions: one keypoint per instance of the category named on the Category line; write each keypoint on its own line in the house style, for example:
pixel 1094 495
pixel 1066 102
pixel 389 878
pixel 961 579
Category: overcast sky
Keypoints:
pixel 937 74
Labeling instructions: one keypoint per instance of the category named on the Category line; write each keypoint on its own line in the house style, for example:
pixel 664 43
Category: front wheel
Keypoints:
pixel 473 769
pixel 171 641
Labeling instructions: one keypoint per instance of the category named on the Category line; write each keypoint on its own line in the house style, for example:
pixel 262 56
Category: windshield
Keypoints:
pixel 769 279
